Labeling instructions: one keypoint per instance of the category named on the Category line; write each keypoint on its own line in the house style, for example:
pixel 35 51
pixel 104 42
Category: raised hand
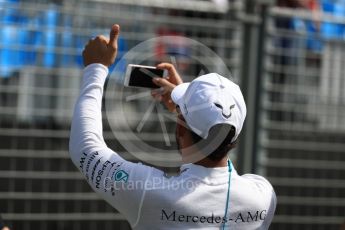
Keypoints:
pixel 101 49
pixel 167 85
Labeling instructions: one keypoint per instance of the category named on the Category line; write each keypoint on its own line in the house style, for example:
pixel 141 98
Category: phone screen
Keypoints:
pixel 142 77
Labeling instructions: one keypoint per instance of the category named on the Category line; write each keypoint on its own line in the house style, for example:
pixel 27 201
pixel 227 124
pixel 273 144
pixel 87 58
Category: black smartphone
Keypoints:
pixel 142 75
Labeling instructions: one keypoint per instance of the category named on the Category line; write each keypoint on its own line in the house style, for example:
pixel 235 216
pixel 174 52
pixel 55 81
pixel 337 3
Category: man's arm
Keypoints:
pixel 86 129
pixel 106 172
pixel 266 194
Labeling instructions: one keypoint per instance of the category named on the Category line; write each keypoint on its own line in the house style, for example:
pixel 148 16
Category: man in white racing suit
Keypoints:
pixel 208 193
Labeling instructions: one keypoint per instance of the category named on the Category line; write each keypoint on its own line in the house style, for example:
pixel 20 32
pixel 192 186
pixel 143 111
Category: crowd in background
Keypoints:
pixel 326 28
pixel 29 46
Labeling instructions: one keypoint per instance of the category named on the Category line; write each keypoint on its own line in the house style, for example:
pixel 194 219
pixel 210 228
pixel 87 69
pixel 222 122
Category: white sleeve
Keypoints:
pixel 266 193
pixel 119 182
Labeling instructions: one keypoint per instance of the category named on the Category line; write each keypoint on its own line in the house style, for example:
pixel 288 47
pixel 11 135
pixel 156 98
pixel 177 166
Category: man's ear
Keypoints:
pixel 181 126
pixel 181 129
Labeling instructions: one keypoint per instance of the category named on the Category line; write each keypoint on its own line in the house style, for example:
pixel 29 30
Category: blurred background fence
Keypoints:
pixel 288 60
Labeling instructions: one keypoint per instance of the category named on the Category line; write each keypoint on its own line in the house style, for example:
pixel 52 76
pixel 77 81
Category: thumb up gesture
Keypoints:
pixel 101 49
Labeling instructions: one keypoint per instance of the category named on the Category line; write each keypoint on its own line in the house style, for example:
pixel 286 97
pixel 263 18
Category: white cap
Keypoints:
pixel 210 100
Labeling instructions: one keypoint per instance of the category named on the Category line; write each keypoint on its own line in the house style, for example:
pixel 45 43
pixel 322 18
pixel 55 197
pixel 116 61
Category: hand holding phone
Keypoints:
pixel 142 76
pixel 154 78
pixel 167 85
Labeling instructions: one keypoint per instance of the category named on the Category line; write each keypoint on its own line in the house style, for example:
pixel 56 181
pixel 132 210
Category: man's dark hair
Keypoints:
pixel 220 137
